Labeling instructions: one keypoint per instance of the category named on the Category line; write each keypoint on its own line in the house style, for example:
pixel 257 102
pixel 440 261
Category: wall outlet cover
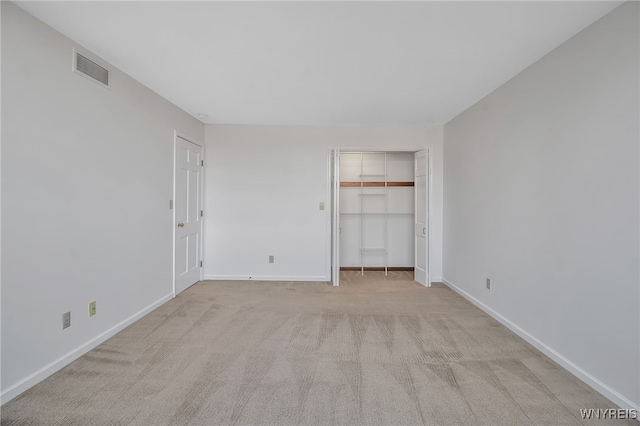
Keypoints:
pixel 66 320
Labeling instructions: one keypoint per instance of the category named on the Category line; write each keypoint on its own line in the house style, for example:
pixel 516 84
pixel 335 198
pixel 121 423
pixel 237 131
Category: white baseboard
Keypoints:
pixel 46 371
pixel 581 374
pixel 266 278
pixel 280 278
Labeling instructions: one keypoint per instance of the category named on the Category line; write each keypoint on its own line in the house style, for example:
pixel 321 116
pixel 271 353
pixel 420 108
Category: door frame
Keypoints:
pixel 429 176
pixel 178 134
pixel 329 197
pixel 334 178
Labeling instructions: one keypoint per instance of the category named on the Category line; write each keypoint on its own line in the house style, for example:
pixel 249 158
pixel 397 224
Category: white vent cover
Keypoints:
pixel 88 68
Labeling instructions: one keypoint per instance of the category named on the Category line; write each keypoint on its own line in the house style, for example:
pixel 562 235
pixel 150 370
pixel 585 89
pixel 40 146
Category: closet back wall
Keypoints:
pixel 377 223
pixel 263 186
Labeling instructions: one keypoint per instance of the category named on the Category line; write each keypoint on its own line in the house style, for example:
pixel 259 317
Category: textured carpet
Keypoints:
pixel 375 351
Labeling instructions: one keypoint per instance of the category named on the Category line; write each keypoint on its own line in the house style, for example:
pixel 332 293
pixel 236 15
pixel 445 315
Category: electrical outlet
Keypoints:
pixel 66 320
pixel 271 259
pixel 92 308
pixel 488 283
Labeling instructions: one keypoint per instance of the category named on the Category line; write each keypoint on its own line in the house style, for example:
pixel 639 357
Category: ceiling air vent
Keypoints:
pixel 88 68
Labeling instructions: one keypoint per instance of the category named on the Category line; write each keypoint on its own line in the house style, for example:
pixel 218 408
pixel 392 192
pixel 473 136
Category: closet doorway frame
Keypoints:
pixel 333 213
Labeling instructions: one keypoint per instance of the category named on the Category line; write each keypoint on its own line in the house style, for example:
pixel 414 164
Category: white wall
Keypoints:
pixel 87 174
pixel 541 184
pixel 263 185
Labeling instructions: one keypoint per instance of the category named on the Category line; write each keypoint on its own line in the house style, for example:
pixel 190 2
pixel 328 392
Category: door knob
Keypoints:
pixel 180 225
pixel 424 231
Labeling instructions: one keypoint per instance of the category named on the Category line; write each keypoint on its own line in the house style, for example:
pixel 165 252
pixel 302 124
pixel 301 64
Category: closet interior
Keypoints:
pixel 377 215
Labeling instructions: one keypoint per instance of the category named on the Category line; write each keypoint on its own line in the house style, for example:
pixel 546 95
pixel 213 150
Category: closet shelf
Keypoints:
pixel 362 214
pixel 376 214
pixel 358 184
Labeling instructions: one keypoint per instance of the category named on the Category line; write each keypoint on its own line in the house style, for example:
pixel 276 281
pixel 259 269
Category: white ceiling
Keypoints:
pixel 322 63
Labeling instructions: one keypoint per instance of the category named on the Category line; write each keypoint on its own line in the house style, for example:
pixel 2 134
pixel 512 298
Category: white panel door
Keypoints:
pixel 335 217
pixel 421 273
pixel 188 205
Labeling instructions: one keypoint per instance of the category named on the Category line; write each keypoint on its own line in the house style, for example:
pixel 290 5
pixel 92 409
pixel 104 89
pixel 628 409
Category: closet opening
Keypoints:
pixel 380 212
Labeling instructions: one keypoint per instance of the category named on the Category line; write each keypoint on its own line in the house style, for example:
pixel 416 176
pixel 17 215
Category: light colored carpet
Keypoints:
pixel 375 351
